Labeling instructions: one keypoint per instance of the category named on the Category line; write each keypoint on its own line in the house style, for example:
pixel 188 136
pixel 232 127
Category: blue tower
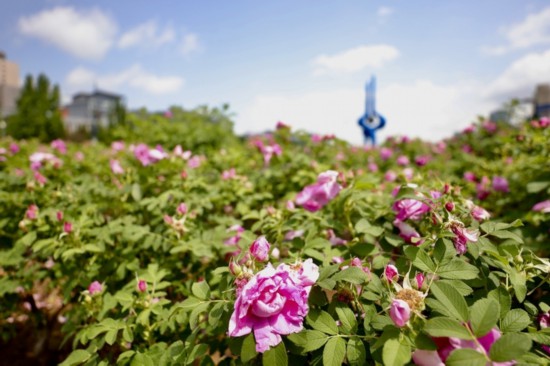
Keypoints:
pixel 371 120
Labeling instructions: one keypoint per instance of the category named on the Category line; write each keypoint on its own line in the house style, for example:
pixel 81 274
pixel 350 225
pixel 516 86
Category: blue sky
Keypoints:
pixel 439 63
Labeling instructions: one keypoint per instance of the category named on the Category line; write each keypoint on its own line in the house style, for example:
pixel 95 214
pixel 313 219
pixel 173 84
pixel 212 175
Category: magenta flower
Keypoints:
pixel 67 227
pixel 115 167
pixel 422 160
pixel 500 184
pixel 407 232
pixel 317 195
pixel 409 208
pixel 391 273
pixel 38 158
pixel 385 153
pixel 543 206
pixel 334 240
pixel 469 176
pixel 260 249
pixel 182 208
pixel 482 188
pixel 400 312
pixel 14 148
pixel 489 126
pixel 419 280
pixel 447 345
pixel 59 215
pixel 273 303
pixel 95 287
pixel 142 286
pixel 59 145
pixel 281 125
pixel 462 237
pixel 316 138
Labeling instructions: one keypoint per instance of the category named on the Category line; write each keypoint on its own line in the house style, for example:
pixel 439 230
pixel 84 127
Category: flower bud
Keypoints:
pixel 67 227
pixel 419 280
pixel 235 269
pixel 450 206
pixel 95 287
pixel 260 249
pixel 391 273
pixel 59 215
pixel 182 208
pixel 142 286
pixel 400 312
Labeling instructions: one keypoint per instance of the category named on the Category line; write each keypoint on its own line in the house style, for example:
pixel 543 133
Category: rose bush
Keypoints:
pixel 311 251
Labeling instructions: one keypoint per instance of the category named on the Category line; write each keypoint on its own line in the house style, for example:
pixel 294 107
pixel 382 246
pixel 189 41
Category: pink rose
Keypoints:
pixel 32 212
pixel 273 303
pixel 142 286
pixel 419 280
pixel 462 237
pixel 409 208
pixel 500 184
pixel 445 346
pixel 59 145
pixel 317 195
pixel 400 312
pixel 402 160
pixel 67 227
pixel 543 206
pixel 115 167
pixel 260 249
pixel 407 232
pixel 182 208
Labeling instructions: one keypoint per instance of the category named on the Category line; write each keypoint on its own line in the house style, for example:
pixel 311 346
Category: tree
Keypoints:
pixel 38 113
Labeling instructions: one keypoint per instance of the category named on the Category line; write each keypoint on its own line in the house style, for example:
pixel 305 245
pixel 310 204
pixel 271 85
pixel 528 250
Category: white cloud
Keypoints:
pixel 134 77
pixel 189 44
pixel 85 34
pixel 384 11
pixel 355 59
pixel 420 109
pixel 533 30
pixel 147 34
pixel 520 78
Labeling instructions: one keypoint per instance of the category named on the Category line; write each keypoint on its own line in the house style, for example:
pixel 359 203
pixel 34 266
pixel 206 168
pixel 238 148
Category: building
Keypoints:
pixel 91 111
pixel 9 86
pixel 542 100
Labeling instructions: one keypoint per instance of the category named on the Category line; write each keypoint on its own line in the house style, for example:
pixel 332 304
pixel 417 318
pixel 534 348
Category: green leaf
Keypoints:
pixel 334 352
pixel 322 321
pixel 353 275
pixel 110 336
pixel 420 259
pixel 518 280
pixel 535 187
pixel 188 304
pixel 136 192
pixel 356 352
pixel 309 340
pixel 466 357
pixel 276 356
pixel 451 299
pixel 364 227
pixel 76 357
pixel 509 347
pixel 141 359
pixel 484 316
pixel 248 350
pixel 502 296
pixel 201 290
pixel 446 327
pixel 516 320
pixel 504 234
pixel 457 269
pixel 396 353
pixel 347 318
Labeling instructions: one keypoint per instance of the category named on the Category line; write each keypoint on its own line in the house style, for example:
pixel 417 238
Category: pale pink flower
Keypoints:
pixel 479 213
pixel 117 146
pixel 402 160
pixel 229 174
pixel 95 287
pixel 59 145
pixel 390 176
pixel 289 236
pixel 40 178
pixel 385 153
pixel 32 212
pixel 543 206
pixel 290 205
pixel 273 302
pixel 116 168
pixel 316 138
pixel 260 249
pixel 38 158
pixel 373 167
pixel 334 239
pixel 317 195
pixel 408 173
pixel 194 162
pixel 400 312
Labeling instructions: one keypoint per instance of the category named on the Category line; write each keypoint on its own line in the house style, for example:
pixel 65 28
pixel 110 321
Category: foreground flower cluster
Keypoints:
pixel 188 245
